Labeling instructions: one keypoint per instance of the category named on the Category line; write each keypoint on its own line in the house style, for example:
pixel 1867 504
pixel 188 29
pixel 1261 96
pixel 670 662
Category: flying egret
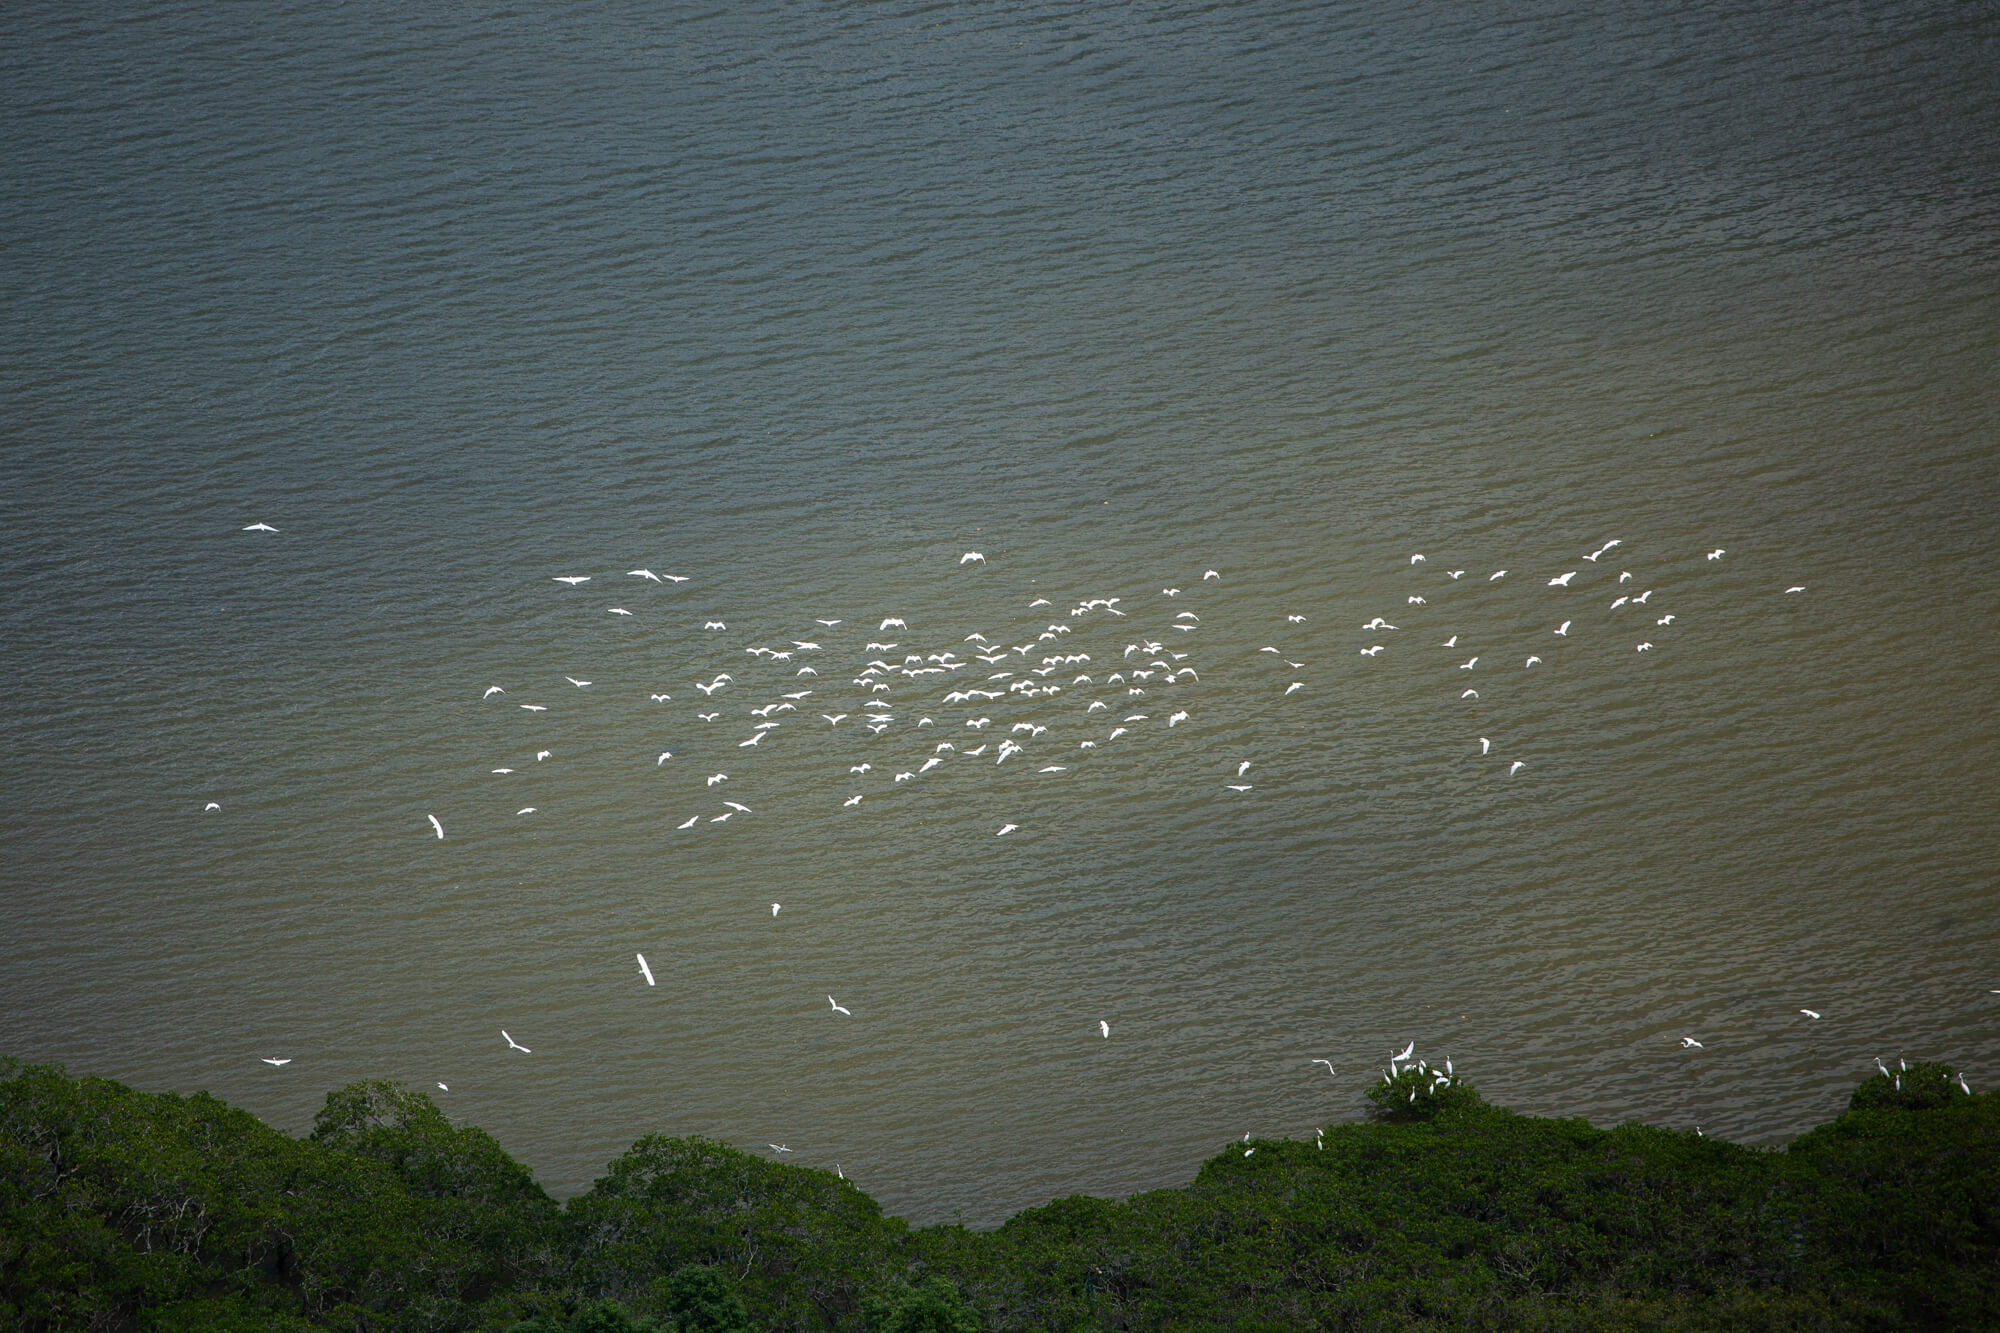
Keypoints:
pixel 1516 767
pixel 1530 662
pixel 1620 602
pixel 1644 648
pixel 260 527
pixel 1484 745
pixel 644 970
pixel 536 708
pixel 1467 666
pixel 1496 575
pixel 717 777
pixel 1005 829
pixel 1242 768
pixel 1690 1042
pixel 692 820
pixel 212 805
pixel 838 1008
pixel 525 810
pixel 542 754
pixel 642 574
pixel 572 579
pixel 1408 1051
pixel 664 756
pixel 971 556
pixel 1103 1028
pixel 1563 629
pixel 1797 587
pixel 515 1044
pixel 618 611
pixel 439 827
pixel 269 1061
pixel 739 807
pixel 492 690
pixel 1717 553
pixel 1237 786
pixel 662 698
pixel 1469 694
pixel 775 907
pixel 1210 574
pixel 1810 1013
pixel 1328 1063
pixel 1563 580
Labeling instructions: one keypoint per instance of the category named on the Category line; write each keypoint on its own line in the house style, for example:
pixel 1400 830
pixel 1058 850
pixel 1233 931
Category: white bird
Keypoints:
pixel 897 621
pixel 708 717
pixel 664 756
pixel 833 719
pixel 1470 694
pixel 1563 629
pixel 1296 620
pixel 536 708
pixel 643 574
pixel 1456 573
pixel 618 611
pixel 1237 786
pixel 1717 553
pixel 838 1008
pixel 1415 600
pixel 971 556
pixel 721 818
pixel 1468 665
pixel 1666 619
pixel 542 754
pixel 1005 829
pixel 492 690
pixel 677 578
pixel 1415 558
pixel 1530 662
pixel 503 770
pixel 1242 768
pixel 515 1044
pixel 1103 1028
pixel 1043 601
pixel 692 820
pixel 572 579
pixel 774 908
pixel 828 623
pixel 739 807
pixel 752 741
pixel 1484 745
pixel 525 810
pixel 644 970
pixel 718 777
pixel 1407 1052
pixel 778 1147
pixel 1809 1013
pixel 439 827
pixel 1210 574
pixel 1182 715
pixel 1328 1063
pixel 212 805
pixel 662 698
pixel 260 527
pixel 1640 600
pixel 1452 642
pixel 1378 623
pixel 1497 574
pixel 1171 592
pixel 574 681
pixel 1563 580
pixel 267 1059
pixel 1516 767
pixel 1797 587
pixel 1620 602
pixel 850 801
pixel 713 624
pixel 1624 574
pixel 442 1087
pixel 1644 648
pixel 1687 1042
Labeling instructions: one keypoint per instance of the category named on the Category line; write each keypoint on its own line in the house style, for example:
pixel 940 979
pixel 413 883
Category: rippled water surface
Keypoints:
pixel 802 305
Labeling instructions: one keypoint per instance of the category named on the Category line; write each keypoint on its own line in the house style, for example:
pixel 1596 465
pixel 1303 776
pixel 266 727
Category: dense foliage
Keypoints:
pixel 123 1210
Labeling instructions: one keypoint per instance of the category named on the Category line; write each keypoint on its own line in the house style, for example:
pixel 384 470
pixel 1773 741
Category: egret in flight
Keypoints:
pixel 645 971
pixel 269 1061
pixel 439 827
pixel 839 1008
pixel 1103 1028
pixel 260 527
pixel 515 1044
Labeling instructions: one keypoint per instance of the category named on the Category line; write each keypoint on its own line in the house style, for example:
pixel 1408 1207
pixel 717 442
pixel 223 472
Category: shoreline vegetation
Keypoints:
pixel 127 1210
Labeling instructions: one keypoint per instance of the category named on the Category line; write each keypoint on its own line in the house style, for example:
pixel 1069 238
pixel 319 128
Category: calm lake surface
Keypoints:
pixel 800 306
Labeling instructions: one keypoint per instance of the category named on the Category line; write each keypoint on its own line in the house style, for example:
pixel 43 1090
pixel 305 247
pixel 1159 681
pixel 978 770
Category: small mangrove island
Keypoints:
pixel 128 1210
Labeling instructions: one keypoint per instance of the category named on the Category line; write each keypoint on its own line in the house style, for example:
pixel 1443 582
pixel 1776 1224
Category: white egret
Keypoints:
pixel 572 579
pixel 260 527
pixel 645 971
pixel 269 1061
pixel 439 827
pixel 515 1044
pixel 838 1008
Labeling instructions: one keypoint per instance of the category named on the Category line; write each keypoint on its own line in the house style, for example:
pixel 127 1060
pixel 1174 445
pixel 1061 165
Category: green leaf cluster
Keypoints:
pixel 122 1210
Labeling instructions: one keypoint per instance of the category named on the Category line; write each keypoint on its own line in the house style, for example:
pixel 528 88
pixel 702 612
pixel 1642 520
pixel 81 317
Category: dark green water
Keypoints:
pixel 804 305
